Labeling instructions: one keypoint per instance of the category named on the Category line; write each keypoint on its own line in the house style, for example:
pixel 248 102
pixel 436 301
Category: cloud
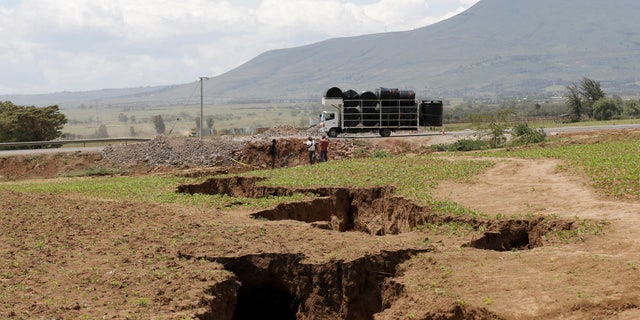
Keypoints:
pixel 77 45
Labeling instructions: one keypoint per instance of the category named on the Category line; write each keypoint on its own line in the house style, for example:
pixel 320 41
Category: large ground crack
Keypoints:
pixel 284 286
pixel 378 211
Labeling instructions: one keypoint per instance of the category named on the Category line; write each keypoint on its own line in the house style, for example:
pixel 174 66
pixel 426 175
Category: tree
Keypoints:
pixel 580 98
pixel 574 102
pixel 606 108
pixel 159 124
pixel 631 108
pixel 101 132
pixel 123 118
pixel 497 124
pixel 210 122
pixel 28 123
pixel 590 92
pixel 197 122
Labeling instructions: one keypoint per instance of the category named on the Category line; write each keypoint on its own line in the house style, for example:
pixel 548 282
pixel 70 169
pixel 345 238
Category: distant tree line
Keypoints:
pixel 587 99
pixel 478 111
pixel 29 123
pixel 582 100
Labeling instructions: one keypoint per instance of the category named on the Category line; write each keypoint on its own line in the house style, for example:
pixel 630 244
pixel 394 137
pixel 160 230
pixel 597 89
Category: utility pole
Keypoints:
pixel 201 104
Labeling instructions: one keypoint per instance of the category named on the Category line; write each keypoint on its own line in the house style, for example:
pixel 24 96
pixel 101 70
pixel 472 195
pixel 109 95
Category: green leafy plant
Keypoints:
pixel 380 154
pixel 522 134
pixel 461 145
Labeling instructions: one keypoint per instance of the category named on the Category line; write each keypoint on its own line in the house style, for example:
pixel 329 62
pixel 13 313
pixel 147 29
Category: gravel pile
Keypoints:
pixel 183 152
pixel 174 152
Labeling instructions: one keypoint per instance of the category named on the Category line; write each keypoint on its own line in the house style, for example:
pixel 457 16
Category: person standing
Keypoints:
pixel 273 152
pixel 324 148
pixel 311 149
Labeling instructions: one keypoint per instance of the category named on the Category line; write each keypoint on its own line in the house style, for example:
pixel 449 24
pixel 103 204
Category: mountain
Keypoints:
pixel 496 47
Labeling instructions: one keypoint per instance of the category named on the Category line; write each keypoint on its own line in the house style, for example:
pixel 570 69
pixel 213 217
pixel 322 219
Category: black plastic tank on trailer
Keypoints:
pixel 387 93
pixel 370 115
pixel 431 113
pixel 351 111
pixel 334 92
pixel 407 97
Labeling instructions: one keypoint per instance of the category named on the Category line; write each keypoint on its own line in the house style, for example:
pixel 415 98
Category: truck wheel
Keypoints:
pixel 333 132
pixel 385 132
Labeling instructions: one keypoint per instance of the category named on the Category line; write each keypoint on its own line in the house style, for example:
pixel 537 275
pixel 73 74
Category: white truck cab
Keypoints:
pixel 330 120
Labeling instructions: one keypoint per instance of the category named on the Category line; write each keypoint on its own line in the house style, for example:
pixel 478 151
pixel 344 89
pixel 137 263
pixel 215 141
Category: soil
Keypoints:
pixel 342 254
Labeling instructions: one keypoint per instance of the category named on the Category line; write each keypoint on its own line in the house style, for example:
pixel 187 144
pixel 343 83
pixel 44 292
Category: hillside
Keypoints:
pixel 496 47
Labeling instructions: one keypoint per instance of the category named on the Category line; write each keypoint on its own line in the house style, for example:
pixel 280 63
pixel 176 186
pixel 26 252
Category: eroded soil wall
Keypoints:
pixel 377 211
pixel 284 286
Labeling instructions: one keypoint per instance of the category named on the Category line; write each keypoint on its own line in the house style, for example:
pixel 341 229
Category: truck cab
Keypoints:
pixel 331 120
pixel 330 123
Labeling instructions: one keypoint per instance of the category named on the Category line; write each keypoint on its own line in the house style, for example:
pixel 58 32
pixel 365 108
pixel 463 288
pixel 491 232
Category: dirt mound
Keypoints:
pixel 46 165
pixel 226 153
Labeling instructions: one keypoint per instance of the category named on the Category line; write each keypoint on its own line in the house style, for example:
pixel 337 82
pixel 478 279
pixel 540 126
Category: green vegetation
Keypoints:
pixel 494 137
pixel 414 177
pixel 584 228
pixel 523 135
pixel 461 145
pixel 451 228
pixel 152 189
pixel 613 166
pixel 588 99
pixel 19 123
pixel 94 171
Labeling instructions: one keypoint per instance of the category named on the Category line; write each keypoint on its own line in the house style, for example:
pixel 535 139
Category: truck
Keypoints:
pixel 384 110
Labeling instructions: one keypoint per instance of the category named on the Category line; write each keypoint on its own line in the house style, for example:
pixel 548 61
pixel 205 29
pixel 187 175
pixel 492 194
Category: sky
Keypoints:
pixel 49 46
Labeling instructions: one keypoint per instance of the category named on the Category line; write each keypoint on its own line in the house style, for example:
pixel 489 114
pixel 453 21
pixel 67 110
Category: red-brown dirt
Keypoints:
pixel 69 257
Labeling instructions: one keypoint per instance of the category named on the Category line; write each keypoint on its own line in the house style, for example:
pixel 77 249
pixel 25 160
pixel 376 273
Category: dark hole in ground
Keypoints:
pixel 265 300
pixel 284 286
pixel 517 234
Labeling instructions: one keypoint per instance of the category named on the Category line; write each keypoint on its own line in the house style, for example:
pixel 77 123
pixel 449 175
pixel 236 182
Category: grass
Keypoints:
pixel 152 189
pixel 583 229
pixel 613 166
pixel 414 177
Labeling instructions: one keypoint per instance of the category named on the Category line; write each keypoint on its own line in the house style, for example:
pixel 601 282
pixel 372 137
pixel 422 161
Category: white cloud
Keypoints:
pixel 75 45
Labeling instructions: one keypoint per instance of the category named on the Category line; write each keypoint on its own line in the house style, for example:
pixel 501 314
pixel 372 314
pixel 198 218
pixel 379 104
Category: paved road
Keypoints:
pixel 9 153
pixel 26 152
pixel 472 132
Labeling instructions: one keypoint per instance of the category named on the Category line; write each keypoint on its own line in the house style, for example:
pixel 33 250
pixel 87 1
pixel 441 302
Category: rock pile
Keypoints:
pixel 251 151
pixel 174 152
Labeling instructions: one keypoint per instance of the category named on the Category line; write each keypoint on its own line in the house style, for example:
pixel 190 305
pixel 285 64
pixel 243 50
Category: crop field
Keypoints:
pixel 538 232
pixel 181 119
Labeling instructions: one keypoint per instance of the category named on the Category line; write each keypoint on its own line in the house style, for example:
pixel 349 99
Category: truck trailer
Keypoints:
pixel 384 110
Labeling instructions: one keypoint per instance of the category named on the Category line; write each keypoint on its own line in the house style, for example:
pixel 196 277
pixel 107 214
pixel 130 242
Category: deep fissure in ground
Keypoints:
pixel 285 286
pixel 377 211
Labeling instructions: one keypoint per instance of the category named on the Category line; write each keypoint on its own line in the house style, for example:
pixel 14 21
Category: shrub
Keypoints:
pixel 522 134
pixel 461 145
pixel 380 154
